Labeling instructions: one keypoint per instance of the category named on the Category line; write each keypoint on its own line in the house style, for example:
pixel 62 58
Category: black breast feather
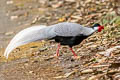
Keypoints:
pixel 71 40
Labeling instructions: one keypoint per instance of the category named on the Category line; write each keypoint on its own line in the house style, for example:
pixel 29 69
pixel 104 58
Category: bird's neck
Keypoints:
pixel 90 31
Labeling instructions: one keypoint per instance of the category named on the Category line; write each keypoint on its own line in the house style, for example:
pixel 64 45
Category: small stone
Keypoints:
pixel 92 46
pixel 88 1
pixel 9 33
pixel 87 71
pixel 92 78
pixel 116 76
pixel 13 17
pixel 31 72
pixel 70 0
pixel 90 43
pixel 43 49
pixel 57 5
pixel 42 1
pixel 9 2
pixel 26 64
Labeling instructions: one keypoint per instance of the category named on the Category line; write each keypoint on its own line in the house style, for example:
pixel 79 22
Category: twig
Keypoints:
pixel 108 51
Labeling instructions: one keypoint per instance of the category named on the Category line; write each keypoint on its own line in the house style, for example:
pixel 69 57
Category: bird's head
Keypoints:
pixel 98 27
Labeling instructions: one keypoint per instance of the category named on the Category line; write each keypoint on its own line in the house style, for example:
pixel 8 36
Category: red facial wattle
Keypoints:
pixel 100 28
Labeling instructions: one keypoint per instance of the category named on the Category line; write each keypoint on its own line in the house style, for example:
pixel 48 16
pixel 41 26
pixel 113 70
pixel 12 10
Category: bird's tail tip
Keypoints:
pixel 5 55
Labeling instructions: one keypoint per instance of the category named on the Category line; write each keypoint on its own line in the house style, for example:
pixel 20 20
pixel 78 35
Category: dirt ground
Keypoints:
pixel 36 61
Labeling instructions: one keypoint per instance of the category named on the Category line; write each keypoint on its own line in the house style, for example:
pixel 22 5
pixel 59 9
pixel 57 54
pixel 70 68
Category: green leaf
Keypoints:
pixel 113 20
pixel 105 21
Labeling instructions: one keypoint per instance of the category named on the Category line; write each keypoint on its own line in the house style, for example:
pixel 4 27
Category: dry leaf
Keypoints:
pixel 87 71
pixel 61 19
pixel 66 75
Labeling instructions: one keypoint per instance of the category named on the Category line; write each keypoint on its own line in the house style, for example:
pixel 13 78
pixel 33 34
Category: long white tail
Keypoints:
pixel 25 36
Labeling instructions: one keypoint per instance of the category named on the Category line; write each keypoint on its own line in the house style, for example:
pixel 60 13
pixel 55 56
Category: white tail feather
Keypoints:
pixel 25 36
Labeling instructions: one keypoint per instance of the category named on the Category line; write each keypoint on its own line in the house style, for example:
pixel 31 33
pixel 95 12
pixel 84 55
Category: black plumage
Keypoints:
pixel 70 41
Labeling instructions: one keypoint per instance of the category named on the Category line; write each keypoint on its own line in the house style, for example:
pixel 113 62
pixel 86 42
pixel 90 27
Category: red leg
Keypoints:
pixel 73 52
pixel 57 51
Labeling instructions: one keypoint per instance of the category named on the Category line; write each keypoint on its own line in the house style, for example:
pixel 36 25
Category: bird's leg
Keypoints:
pixel 57 51
pixel 73 52
pixel 75 55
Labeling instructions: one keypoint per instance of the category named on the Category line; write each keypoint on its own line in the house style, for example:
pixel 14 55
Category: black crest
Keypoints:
pixel 96 25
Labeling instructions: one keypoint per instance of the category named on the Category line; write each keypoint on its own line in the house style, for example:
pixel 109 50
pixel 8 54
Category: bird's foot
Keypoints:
pixel 76 57
pixel 56 55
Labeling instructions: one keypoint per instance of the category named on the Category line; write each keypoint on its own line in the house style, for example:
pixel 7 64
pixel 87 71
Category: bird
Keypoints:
pixel 64 33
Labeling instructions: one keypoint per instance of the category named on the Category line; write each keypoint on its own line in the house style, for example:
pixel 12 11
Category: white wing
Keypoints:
pixel 69 29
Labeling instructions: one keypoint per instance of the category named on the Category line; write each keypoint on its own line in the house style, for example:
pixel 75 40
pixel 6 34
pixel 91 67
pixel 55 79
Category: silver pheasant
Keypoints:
pixel 65 33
